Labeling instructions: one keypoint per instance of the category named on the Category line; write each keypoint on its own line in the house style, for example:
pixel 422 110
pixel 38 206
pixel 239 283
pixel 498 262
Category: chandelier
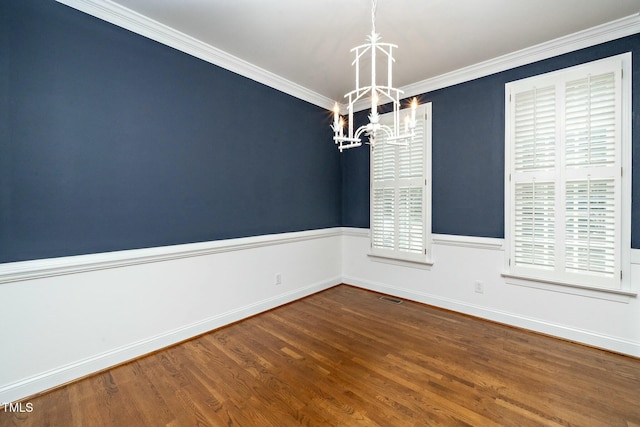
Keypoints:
pixel 378 93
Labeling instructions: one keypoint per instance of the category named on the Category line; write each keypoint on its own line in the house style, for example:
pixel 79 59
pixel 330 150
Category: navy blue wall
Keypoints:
pixel 468 149
pixel 111 141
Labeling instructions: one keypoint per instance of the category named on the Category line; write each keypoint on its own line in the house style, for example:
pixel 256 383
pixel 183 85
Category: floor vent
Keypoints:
pixel 392 300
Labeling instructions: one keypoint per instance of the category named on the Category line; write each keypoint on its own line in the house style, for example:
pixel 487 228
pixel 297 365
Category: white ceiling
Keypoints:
pixel 309 42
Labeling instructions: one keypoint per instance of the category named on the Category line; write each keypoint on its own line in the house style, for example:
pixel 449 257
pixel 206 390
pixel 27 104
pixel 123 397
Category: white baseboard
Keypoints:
pixel 586 337
pixel 62 375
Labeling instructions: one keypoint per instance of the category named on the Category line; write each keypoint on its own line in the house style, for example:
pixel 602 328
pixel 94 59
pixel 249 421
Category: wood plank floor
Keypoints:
pixel 344 357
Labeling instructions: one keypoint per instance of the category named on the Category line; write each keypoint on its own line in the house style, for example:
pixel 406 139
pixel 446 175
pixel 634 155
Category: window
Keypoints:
pixel 401 194
pixel 567 190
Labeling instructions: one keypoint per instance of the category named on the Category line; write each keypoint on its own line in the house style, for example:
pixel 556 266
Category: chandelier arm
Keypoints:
pixel 360 131
pixel 389 133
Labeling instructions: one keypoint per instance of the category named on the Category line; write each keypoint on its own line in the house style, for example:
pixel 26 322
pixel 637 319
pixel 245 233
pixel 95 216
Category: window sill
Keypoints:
pixel 424 265
pixel 617 295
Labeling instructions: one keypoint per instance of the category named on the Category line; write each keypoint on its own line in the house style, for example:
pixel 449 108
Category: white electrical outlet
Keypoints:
pixel 278 279
pixel 479 287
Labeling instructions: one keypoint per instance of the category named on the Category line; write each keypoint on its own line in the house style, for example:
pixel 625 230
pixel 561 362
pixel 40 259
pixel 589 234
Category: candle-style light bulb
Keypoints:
pixel 341 125
pixel 414 105
pixel 336 114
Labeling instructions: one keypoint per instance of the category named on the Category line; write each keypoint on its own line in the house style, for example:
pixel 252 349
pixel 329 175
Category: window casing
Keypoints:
pixel 401 194
pixel 567 186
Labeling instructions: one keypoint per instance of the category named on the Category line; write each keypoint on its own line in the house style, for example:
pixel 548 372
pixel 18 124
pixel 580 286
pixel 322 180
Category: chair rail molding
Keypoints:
pixel 41 268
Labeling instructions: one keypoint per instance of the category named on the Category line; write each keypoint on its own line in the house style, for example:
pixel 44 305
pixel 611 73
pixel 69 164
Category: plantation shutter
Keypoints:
pixel 593 170
pixel 565 179
pixel 399 195
pixel 534 186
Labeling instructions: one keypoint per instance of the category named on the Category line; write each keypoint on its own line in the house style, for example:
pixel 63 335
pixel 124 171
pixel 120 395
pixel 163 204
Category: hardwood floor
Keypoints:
pixel 345 357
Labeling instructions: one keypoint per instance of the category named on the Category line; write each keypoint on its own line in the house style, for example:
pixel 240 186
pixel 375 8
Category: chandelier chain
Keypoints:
pixel 373 15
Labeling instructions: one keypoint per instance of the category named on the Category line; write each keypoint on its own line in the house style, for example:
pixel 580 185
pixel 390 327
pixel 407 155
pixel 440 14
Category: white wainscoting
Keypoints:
pixel 69 317
pixel 66 318
pixel 460 262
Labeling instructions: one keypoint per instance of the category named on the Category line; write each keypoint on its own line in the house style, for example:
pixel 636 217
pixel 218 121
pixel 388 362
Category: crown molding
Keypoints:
pixel 590 37
pixel 128 19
